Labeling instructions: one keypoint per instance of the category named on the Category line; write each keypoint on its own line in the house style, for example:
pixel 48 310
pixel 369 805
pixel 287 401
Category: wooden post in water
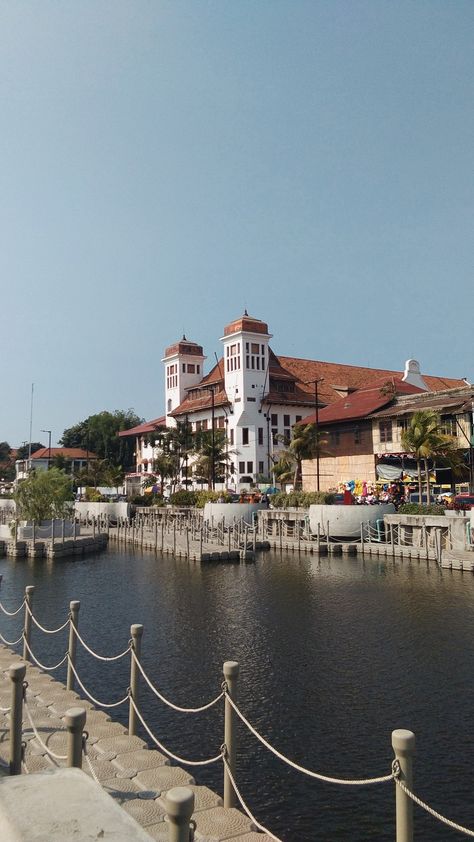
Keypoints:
pixel 403 744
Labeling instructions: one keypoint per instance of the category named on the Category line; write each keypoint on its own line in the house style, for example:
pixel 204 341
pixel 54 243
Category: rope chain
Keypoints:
pixel 320 777
pixel 431 811
pixel 166 701
pixel 96 654
pixel 35 732
pixel 169 753
pixel 11 613
pixel 244 805
pixel 89 695
pixel 11 642
pixel 39 664
pixel 5 710
pixel 42 628
pixel 88 760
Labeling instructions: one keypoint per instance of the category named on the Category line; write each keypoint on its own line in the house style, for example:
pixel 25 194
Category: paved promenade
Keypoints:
pixel 136 776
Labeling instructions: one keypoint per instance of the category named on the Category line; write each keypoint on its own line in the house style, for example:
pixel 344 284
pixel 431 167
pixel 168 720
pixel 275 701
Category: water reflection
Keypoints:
pixel 334 654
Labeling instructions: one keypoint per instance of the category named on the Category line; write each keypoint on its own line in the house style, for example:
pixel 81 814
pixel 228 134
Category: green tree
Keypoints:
pixel 424 439
pixel 114 476
pixel 213 457
pixel 165 466
pixel 307 443
pixel 99 434
pixel 7 464
pixel 24 451
pixel 44 495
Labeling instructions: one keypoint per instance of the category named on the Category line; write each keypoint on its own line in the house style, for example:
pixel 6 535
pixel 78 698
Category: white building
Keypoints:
pixel 252 394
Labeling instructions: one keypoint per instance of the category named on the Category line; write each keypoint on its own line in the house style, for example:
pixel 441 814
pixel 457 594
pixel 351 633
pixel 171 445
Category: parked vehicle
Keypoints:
pixel 464 500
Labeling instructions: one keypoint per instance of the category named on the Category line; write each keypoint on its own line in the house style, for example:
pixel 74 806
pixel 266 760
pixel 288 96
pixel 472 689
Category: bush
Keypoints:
pixel 420 509
pixel 301 499
pixel 203 497
pixel 142 499
pixel 93 496
pixel 184 498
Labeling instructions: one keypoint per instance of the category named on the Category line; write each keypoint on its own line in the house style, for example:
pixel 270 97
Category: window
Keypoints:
pixel 191 368
pixel 357 435
pixel 250 467
pixel 260 435
pixel 170 405
pixel 242 467
pixel 385 430
pixel 255 356
pixel 220 423
pixel 245 435
pixel 274 420
pixel 448 425
pixel 260 467
pixel 198 369
pixel 233 357
pixel 232 468
pixel 298 419
pixel 274 435
pixel 172 376
pixel 184 368
pixel 335 437
pixel 204 424
pixel 231 436
pixel 402 423
pixel 287 435
pixel 286 420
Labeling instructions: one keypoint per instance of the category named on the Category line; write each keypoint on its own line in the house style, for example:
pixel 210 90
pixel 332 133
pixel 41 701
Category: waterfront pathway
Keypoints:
pixel 136 776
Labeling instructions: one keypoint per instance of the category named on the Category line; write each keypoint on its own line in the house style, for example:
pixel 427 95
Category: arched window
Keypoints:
pixel 169 405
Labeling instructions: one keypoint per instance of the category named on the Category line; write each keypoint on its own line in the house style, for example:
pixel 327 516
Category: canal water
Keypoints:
pixel 334 654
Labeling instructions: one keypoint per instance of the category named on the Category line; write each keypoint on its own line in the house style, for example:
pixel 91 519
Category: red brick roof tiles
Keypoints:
pixel 146 427
pixel 67 452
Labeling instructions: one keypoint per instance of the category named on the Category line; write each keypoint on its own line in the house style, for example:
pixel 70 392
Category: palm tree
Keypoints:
pixel 165 466
pixel 212 455
pixel 308 442
pixel 424 439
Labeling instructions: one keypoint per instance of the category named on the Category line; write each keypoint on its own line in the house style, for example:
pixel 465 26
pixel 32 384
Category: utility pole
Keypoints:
pixel 49 447
pixel 316 383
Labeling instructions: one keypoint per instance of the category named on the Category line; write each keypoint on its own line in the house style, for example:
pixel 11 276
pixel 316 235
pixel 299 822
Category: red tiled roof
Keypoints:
pixel 247 323
pixel 361 403
pixel 146 427
pixel 67 452
pixel 350 376
pixel 204 402
pixel 186 347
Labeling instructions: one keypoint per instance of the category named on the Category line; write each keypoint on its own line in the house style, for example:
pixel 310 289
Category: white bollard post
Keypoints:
pixel 29 591
pixel 74 607
pixel 403 744
pixel 136 632
pixel 179 804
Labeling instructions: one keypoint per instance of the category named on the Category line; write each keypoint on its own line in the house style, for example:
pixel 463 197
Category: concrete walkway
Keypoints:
pixel 136 776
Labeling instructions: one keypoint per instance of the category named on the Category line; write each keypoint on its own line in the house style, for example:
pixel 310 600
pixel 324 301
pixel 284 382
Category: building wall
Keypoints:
pixel 333 470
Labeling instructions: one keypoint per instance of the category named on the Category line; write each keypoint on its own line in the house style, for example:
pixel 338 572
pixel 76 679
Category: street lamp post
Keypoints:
pixel 49 447
pixel 213 438
pixel 316 382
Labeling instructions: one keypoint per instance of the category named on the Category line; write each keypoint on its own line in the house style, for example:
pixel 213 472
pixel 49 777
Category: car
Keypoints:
pixel 465 501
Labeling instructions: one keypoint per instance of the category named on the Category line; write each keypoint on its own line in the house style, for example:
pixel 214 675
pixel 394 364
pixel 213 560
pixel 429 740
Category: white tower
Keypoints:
pixel 246 360
pixel 183 369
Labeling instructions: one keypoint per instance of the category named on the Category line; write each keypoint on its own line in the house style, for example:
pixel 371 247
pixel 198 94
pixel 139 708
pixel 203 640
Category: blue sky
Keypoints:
pixel 165 164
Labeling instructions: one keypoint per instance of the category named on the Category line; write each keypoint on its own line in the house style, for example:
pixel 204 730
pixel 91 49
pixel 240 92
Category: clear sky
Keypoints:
pixel 165 164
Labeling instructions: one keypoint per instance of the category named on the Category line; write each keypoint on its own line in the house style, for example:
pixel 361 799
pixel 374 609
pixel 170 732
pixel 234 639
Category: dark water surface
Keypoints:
pixel 334 654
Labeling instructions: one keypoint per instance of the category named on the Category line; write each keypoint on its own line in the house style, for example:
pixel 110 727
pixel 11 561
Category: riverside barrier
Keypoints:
pixel 180 802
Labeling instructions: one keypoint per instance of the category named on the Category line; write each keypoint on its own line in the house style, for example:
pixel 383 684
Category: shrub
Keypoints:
pixel 203 497
pixel 93 496
pixel 301 499
pixel 184 498
pixel 420 509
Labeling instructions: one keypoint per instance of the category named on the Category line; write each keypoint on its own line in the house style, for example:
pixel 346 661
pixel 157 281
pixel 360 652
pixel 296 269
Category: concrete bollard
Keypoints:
pixel 75 720
pixel 136 632
pixel 231 675
pixel 403 744
pixel 179 804
pixel 29 591
pixel 17 676
pixel 74 607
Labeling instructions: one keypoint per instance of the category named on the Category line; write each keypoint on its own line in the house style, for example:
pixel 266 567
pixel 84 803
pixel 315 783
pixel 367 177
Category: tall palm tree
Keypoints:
pixel 308 442
pixel 212 453
pixel 424 439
